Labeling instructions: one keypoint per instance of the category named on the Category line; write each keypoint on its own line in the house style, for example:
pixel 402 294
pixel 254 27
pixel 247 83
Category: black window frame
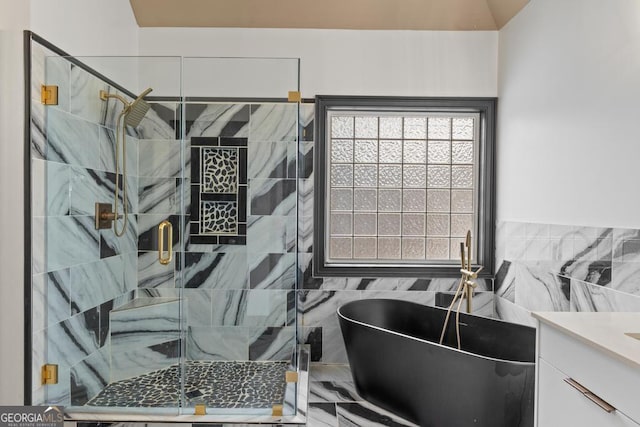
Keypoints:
pixel 486 107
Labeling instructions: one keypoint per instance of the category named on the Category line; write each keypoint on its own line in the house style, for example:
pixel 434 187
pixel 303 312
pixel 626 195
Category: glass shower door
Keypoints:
pixel 107 174
pixel 188 304
pixel 241 133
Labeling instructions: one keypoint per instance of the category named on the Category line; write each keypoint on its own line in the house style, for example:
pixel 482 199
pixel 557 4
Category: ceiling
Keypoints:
pixel 454 15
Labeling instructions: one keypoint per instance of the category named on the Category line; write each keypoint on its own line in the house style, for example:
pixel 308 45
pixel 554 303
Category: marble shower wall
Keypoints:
pixel 240 298
pixel 319 298
pixel 549 267
pixel 82 272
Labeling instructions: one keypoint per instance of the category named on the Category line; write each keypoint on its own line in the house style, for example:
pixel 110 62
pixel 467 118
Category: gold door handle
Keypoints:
pixel 164 260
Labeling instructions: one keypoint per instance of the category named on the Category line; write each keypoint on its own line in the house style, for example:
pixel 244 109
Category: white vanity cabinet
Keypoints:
pixel 588 371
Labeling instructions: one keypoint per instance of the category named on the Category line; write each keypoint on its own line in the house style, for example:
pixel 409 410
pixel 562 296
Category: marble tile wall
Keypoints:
pixel 550 267
pixel 240 299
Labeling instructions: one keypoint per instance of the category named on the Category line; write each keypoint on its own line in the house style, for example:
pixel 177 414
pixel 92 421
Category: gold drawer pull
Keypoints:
pixel 164 260
pixel 592 397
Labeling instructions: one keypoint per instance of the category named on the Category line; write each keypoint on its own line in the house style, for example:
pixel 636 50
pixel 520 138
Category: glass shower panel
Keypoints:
pixel 240 262
pixel 107 306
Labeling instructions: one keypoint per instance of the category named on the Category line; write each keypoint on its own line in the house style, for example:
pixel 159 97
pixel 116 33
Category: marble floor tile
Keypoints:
pixel 330 372
pixel 364 414
pixel 322 415
pixel 333 391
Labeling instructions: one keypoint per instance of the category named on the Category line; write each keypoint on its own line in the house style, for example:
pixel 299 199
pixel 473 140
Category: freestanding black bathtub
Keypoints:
pixel 397 364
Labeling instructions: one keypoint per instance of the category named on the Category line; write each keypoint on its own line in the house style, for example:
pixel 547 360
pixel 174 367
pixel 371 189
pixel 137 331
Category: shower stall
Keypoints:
pixel 163 210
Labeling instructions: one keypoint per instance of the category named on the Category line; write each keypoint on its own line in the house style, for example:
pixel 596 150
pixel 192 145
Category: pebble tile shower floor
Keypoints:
pixel 217 384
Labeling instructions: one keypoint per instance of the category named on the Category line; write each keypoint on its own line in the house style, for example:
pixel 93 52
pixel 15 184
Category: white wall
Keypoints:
pixel 14 17
pixel 343 62
pixel 569 88
pixel 87 27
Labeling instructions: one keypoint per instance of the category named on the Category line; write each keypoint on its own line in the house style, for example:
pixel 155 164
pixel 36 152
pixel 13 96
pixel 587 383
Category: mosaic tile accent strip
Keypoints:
pixel 217 384
pixel 218 190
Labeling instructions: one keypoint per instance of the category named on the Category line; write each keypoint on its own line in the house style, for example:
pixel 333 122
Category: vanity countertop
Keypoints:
pixel 604 331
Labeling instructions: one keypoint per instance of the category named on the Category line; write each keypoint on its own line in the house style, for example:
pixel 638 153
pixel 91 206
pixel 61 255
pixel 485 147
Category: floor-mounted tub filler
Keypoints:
pixel 398 364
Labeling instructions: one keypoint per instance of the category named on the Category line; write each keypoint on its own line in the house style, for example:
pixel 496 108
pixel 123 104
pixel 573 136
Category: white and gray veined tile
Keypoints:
pixel 360 414
pixel 539 289
pixel 152 274
pixel 511 312
pixel 272 197
pixel 626 277
pixel 228 307
pixel 233 270
pixel 95 283
pixel 442 284
pixel 267 159
pixel 71 341
pixel 322 415
pixel 318 307
pixel 70 241
pixel 72 140
pixel 333 391
pixel 49 188
pixel 267 234
pixel 272 343
pixel 264 308
pixel 505 280
pixel 88 187
pixel 420 297
pixel 626 245
pixel 217 343
pixel 51 298
pixel 133 361
pixel 588 297
pixel 159 158
pixel 144 322
pixel 273 122
pixel 199 270
pixel 218 120
pixel 272 271
pixel 330 372
pixel 111 244
pixel 89 377
pixel 157 196
pixel 159 122
pixel 198 305
pixel 38 130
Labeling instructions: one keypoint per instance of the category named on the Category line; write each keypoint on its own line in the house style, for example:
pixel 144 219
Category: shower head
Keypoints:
pixel 137 110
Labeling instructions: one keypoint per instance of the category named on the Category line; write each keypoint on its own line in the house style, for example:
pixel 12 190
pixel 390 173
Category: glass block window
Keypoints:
pixel 400 186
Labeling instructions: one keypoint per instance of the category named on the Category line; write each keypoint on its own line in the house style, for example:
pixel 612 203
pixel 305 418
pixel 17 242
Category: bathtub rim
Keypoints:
pixel 494 359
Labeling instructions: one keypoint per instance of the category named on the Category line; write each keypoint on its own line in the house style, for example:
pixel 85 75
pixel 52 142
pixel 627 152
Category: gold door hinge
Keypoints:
pixel 276 411
pixel 294 96
pixel 49 374
pixel 49 95
pixel 291 377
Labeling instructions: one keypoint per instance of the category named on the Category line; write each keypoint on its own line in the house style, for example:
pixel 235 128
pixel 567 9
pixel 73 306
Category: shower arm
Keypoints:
pixel 104 95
